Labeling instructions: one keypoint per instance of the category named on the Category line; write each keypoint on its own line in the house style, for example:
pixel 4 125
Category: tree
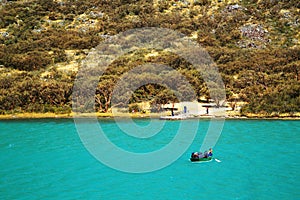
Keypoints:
pixel 104 92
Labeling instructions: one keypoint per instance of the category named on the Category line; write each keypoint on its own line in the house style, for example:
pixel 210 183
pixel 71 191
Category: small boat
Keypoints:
pixel 202 157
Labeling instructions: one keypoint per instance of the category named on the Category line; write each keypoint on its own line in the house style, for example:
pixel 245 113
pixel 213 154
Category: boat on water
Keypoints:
pixel 202 157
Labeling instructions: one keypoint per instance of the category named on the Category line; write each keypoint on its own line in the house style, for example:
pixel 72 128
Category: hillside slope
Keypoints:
pixel 256 45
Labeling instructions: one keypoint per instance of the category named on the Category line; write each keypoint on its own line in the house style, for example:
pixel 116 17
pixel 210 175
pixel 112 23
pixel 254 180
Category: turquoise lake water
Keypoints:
pixel 45 159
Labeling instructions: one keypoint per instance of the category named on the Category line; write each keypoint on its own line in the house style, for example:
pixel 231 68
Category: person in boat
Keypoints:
pixel 201 155
pixel 193 153
pixel 210 152
pixel 196 155
pixel 205 154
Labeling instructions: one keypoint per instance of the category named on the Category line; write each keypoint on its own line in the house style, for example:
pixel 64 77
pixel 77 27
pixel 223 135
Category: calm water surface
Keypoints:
pixel 45 159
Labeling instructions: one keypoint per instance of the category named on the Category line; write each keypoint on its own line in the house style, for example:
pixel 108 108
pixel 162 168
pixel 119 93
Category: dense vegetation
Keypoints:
pixel 254 43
